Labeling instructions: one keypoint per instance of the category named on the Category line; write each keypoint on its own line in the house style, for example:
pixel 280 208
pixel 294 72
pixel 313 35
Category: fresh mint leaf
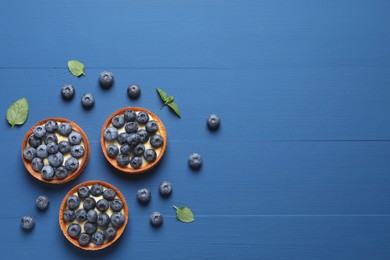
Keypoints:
pixel 175 108
pixel 184 214
pixel 76 68
pixel 162 94
pixel 168 101
pixel 17 113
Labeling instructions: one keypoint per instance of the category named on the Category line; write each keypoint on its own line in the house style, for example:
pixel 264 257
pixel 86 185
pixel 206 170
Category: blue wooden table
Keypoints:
pixel 300 168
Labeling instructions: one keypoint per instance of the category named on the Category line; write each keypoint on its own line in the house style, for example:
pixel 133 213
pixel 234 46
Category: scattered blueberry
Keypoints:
pixel 130 115
pixel 71 164
pixel 106 79
pixel 110 133
pixel 156 141
pixel 42 151
pixel 81 215
pixel 143 135
pixel 92 216
pixel 51 126
pixel 123 160
pixel 165 188
pixel 56 160
pixel 67 91
pixel 103 220
pixel 42 202
pixel 150 155
pixel 98 238
pixel 213 122
pixel 136 162
pixel 47 172
pixel 116 205
pixel 102 205
pixel 50 137
pixel 74 230
pixel 133 91
pixel 27 222
pixel 61 172
pixel 34 142
pixel 64 147
pixel 109 194
pixel 68 215
pixel 84 239
pixel 118 121
pixel 122 138
pixel 97 189
pixel 87 100
pixel 52 148
pixel 109 233
pixel 37 164
pixel 29 153
pixel 64 129
pixel 90 228
pixel 131 127
pixel 77 151
pixel 83 192
pixel 156 219
pixel 125 149
pixel 151 127
pixel 144 195
pixel 139 149
pixel 112 150
pixel 195 161
pixel 39 131
pixel 75 138
pixel 133 140
pixel 73 202
pixel 89 203
pixel 117 219
pixel 142 117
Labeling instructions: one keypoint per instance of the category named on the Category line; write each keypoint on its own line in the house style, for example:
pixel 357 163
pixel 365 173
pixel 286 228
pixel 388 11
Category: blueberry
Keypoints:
pixel 27 222
pixel 64 129
pixel 84 239
pixel 117 219
pixel 77 151
pixel 156 141
pixel 42 151
pixel 61 172
pixel 34 142
pixel 89 203
pixel 110 133
pixel 213 122
pixel 47 172
pixel 56 160
pixel 131 127
pixel 73 202
pixel 195 161
pixel 109 194
pixel 142 117
pixel 143 195
pixel 106 79
pixel 122 138
pixel 136 162
pixel 42 202
pixel 151 127
pixel 37 164
pixel 103 220
pixel 75 138
pixel 52 148
pixel 92 216
pixel 97 189
pixel 165 188
pixel 133 91
pixel 29 153
pixel 67 91
pixel 51 126
pixel 143 136
pixel 81 215
pixel 71 164
pixel 156 219
pixel 39 131
pixel 83 192
pixel 74 230
pixel 98 238
pixel 87 100
pixel 118 121
pixel 116 205
pixel 109 233
pixel 125 149
pixel 139 149
pixel 130 115
pixel 123 160
pixel 64 147
pixel 112 150
pixel 150 155
pixel 50 137
pixel 133 140
pixel 102 205
pixel 69 215
pixel 90 228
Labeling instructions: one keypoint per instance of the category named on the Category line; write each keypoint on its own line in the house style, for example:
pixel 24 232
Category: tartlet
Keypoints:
pixel 82 160
pixel 65 224
pixel 159 149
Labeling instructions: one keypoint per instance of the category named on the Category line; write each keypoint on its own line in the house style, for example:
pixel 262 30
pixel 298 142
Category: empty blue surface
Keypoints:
pixel 300 168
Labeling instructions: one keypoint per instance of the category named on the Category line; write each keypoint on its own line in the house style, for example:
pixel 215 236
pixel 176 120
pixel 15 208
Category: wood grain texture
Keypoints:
pixel 300 166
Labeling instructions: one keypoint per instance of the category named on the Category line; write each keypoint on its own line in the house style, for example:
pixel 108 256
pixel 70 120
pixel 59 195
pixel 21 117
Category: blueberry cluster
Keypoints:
pixel 129 146
pixel 43 144
pixel 84 210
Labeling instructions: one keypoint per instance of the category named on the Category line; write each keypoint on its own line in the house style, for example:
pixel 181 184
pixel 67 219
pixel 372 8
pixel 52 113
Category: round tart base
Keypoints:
pixel 72 175
pixel 63 224
pixel 161 131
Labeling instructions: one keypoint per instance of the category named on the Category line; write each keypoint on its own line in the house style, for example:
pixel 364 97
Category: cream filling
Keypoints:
pixel 147 144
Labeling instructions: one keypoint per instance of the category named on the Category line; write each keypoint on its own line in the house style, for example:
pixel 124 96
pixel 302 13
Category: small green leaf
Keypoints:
pixel 169 100
pixel 162 94
pixel 76 68
pixel 184 214
pixel 175 108
pixel 17 113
